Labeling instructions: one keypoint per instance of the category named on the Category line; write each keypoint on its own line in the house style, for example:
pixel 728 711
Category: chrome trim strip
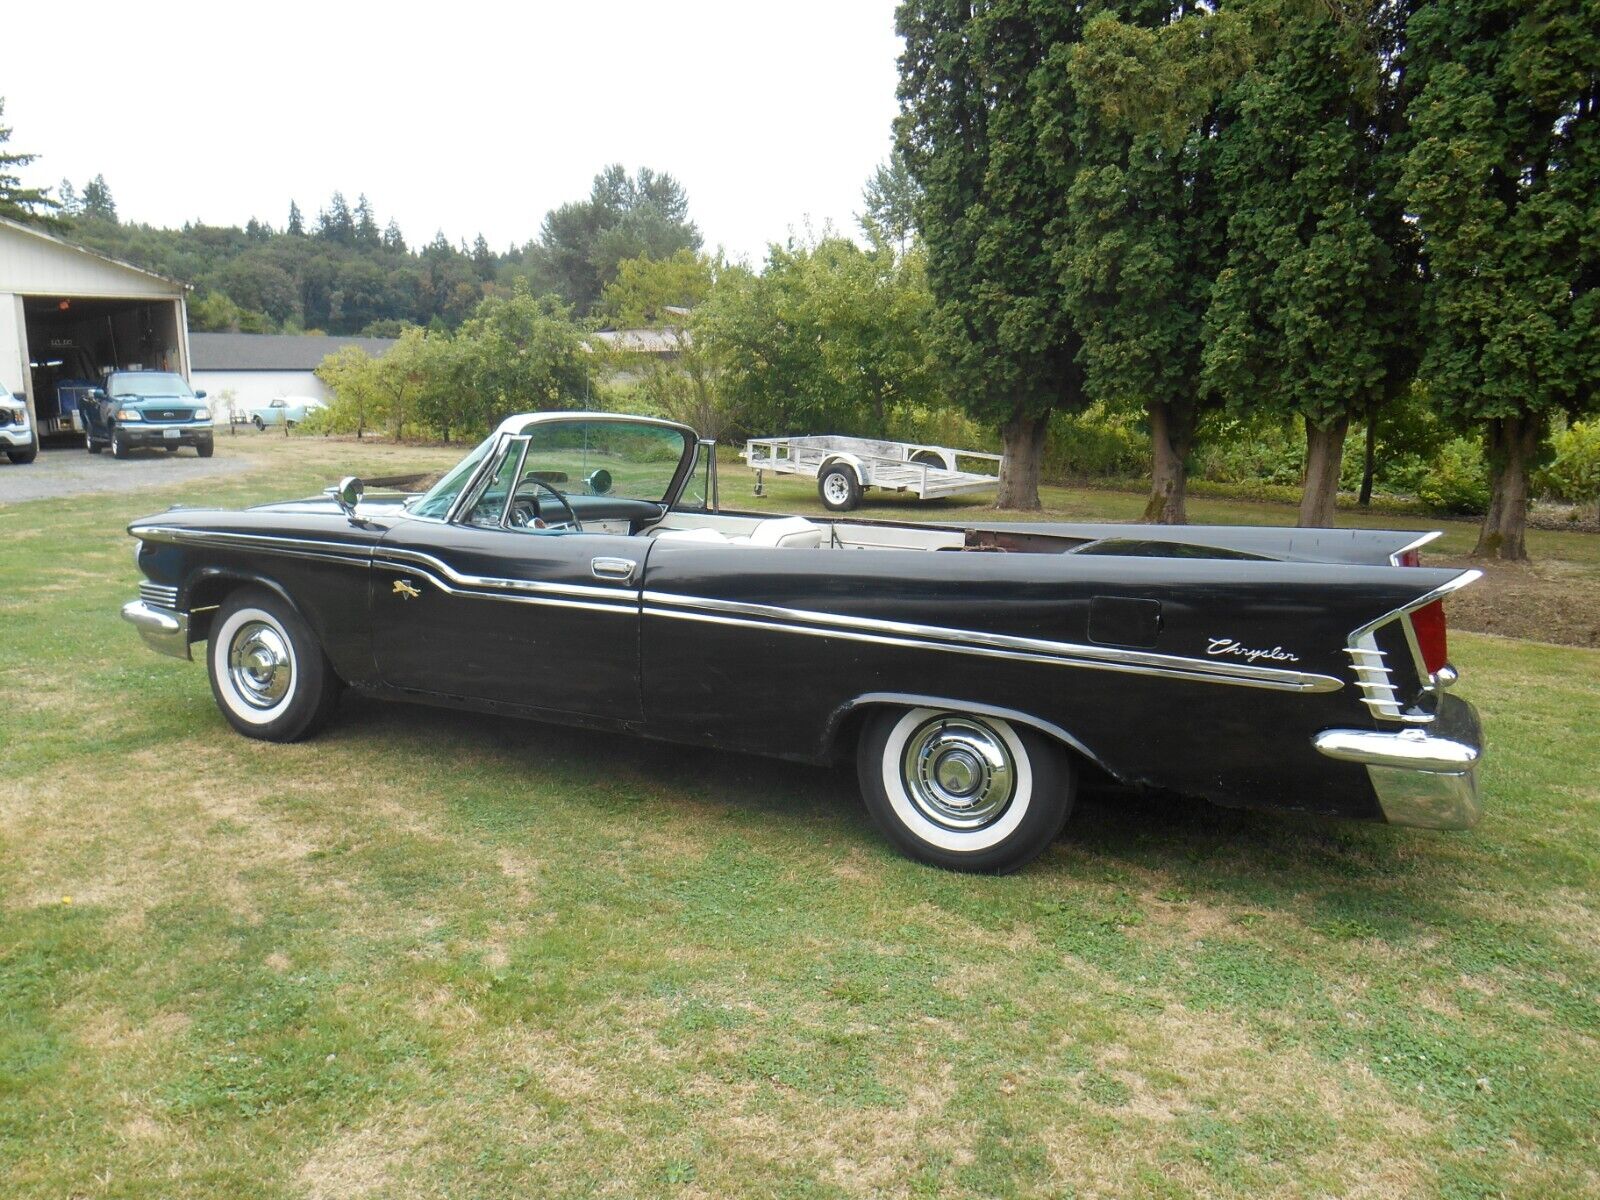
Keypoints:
pixel 629 605
pixel 386 557
pixel 1432 535
pixel 1004 646
pixel 1374 679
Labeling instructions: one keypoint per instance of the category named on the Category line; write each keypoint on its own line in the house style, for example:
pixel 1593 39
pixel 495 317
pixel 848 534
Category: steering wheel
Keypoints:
pixel 523 515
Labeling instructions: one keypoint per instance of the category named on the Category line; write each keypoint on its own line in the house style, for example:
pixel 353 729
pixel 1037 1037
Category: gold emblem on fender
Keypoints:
pixel 403 588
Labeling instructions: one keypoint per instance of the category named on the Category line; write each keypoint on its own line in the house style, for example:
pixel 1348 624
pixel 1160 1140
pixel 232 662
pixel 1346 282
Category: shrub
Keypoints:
pixel 1573 474
pixel 1456 481
pixel 1097 443
pixel 937 425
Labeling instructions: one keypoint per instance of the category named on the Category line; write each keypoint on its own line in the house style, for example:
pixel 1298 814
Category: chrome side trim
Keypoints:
pixel 517 591
pixel 268 543
pixel 164 630
pixel 992 645
pixel 1370 665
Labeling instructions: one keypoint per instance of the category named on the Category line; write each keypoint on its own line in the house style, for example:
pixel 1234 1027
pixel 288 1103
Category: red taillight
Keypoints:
pixel 1409 558
pixel 1428 624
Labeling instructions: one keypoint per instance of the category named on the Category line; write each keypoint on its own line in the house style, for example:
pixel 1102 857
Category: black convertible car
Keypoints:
pixel 578 568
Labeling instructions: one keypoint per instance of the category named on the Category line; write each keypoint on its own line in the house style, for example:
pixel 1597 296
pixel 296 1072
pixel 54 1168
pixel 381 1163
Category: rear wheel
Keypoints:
pixel 967 792
pixel 269 676
pixel 839 488
pixel 89 444
pixel 261 426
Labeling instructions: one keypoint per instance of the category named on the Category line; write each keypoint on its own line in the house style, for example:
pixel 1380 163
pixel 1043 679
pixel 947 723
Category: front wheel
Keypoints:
pixel 269 676
pixel 205 449
pixel 967 792
pixel 119 445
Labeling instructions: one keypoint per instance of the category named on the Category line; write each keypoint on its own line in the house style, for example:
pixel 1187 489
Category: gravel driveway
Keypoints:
pixel 73 471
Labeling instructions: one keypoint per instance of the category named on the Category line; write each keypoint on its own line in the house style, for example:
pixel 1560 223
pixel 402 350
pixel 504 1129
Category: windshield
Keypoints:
pixel 436 502
pixel 143 384
pixel 626 459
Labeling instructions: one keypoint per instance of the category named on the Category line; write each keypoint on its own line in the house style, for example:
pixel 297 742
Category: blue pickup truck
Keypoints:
pixel 144 410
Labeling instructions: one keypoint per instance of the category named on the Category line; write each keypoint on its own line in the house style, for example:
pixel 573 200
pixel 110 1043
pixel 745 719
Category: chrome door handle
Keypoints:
pixel 611 568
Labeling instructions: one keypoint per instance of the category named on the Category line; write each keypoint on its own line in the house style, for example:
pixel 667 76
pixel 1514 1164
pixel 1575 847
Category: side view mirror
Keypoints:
pixel 199 395
pixel 348 494
pixel 599 481
pixel 97 393
pixel 20 397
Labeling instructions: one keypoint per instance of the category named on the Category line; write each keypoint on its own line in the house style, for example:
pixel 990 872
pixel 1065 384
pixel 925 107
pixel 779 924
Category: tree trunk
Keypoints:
pixel 1370 467
pixel 1022 439
pixel 1171 435
pixel 1319 499
pixel 1511 442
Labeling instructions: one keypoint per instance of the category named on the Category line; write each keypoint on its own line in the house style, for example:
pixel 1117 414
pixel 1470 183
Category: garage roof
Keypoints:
pixel 272 351
pixel 36 263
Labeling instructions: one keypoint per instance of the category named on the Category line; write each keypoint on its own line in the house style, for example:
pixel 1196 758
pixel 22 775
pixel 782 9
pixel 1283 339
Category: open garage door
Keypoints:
pixel 72 342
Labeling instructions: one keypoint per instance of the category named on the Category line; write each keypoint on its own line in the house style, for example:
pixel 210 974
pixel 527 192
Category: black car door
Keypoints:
pixel 542 618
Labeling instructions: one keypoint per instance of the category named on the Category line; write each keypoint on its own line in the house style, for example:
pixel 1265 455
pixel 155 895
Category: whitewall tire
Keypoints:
pixel 269 676
pixel 962 790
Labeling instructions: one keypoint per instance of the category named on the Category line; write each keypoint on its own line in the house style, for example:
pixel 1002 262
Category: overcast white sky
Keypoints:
pixel 459 116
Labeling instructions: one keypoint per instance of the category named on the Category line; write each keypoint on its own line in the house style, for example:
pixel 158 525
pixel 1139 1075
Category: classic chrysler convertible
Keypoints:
pixel 578 568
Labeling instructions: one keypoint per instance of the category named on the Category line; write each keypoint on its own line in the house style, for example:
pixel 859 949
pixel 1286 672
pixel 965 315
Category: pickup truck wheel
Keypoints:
pixel 119 447
pixel 23 457
pixel 839 488
pixel 89 444
pixel 962 791
pixel 269 676
pixel 261 426
pixel 204 449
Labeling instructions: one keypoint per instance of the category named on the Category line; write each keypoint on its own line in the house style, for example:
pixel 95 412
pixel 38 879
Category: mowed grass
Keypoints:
pixel 435 954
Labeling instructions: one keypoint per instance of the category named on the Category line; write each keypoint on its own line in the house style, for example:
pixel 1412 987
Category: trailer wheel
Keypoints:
pixel 962 791
pixel 927 458
pixel 839 488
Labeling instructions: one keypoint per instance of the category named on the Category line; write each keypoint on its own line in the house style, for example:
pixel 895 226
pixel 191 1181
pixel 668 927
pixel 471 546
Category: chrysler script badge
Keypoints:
pixel 402 588
pixel 1227 646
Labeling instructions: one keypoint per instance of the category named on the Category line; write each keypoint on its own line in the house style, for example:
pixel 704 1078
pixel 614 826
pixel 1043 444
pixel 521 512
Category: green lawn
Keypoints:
pixel 433 954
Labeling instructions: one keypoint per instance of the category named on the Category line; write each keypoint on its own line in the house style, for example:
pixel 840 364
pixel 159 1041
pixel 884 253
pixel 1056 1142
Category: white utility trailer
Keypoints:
pixel 844 467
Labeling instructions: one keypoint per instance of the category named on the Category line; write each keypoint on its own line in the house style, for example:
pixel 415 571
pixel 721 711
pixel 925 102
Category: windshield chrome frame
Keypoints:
pixel 520 426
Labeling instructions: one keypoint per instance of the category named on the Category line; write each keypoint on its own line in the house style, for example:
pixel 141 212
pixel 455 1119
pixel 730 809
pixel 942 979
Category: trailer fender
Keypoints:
pixel 849 460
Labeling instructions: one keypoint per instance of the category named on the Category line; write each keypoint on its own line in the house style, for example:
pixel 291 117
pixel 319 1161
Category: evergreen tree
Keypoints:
pixel 69 201
pixel 18 202
pixel 335 223
pixel 483 257
pixel 393 239
pixel 1503 174
pixel 97 202
pixel 297 223
pixel 366 226
pixel 973 118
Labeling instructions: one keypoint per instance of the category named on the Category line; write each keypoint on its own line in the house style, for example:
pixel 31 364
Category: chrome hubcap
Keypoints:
pixel 959 772
pixel 259 664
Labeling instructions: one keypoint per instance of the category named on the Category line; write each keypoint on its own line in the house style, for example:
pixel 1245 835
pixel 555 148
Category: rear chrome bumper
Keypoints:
pixel 1424 779
pixel 165 630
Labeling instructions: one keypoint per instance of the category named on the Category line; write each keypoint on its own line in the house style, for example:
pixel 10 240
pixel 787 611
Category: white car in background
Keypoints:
pixel 292 409
pixel 16 434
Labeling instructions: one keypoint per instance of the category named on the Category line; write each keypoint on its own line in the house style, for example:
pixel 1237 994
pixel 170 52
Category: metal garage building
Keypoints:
pixel 250 370
pixel 68 314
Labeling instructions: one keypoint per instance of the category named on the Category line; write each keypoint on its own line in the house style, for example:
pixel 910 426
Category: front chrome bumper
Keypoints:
pixel 1427 779
pixel 165 630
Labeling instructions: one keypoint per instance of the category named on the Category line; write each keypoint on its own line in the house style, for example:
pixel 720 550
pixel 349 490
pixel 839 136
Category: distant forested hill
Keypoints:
pixel 341 273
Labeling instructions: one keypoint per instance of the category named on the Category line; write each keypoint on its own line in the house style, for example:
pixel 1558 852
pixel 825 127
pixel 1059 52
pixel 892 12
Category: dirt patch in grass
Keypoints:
pixel 1547 600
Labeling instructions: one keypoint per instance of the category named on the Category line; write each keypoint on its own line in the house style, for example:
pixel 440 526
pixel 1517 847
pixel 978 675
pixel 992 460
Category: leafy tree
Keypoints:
pixel 890 200
pixel 522 353
pixel 646 288
pixel 828 338
pixel 1502 174
pixel 349 375
pixel 18 202
pixel 624 217
pixel 973 118
pixel 97 202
